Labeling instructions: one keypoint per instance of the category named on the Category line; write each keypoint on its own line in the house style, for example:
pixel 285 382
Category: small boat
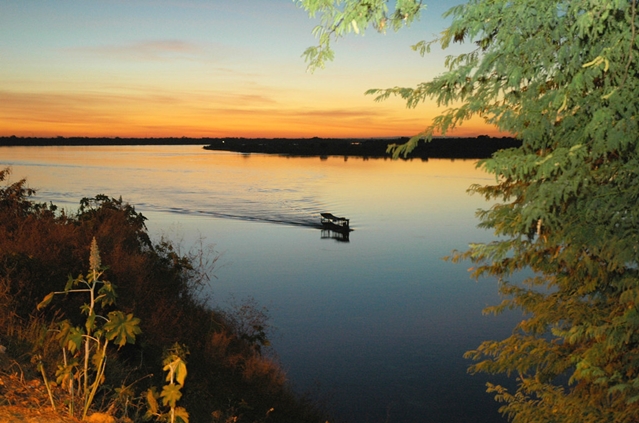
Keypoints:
pixel 334 223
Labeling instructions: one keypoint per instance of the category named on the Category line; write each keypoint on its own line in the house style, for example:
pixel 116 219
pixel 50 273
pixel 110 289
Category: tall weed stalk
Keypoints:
pixel 84 349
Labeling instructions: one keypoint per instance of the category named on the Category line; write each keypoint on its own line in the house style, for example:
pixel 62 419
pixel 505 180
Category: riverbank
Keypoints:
pixel 439 148
pixel 162 305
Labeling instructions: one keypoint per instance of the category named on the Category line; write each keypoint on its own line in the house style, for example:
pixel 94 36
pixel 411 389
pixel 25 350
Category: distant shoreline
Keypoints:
pixel 446 148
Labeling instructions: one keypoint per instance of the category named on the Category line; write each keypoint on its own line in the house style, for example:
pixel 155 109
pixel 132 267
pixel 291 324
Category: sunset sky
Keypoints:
pixel 203 68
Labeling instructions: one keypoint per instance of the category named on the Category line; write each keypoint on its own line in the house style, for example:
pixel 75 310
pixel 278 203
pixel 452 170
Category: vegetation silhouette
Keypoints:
pixel 448 148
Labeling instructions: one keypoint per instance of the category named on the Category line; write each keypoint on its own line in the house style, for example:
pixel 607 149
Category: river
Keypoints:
pixel 375 326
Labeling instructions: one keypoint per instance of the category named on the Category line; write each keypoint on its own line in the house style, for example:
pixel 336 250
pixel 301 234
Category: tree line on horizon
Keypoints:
pixel 449 147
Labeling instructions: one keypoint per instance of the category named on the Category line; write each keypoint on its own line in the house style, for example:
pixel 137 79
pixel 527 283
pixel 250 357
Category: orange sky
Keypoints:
pixel 202 68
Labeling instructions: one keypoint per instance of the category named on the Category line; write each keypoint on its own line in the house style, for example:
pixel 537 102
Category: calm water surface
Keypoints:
pixel 376 326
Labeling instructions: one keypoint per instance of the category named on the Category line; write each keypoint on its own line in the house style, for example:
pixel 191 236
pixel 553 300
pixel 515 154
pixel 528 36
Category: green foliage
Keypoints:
pixel 87 345
pixel 563 77
pixel 175 366
pixel 339 18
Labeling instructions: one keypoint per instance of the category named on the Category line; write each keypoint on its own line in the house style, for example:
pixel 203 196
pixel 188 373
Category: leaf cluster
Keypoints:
pixel 175 366
pixel 339 18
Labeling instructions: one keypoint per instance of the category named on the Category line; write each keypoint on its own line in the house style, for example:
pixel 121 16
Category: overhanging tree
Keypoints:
pixel 562 76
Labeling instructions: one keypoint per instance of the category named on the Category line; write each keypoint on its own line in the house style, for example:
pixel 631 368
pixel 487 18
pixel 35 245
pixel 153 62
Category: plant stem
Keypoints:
pixel 87 349
pixel 96 382
pixel 46 383
pixel 71 403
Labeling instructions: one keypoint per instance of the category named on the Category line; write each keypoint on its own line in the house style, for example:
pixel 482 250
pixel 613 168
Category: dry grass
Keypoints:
pixel 27 401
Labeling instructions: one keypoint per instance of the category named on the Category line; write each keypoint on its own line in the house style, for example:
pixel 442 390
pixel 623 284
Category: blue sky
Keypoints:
pixel 202 68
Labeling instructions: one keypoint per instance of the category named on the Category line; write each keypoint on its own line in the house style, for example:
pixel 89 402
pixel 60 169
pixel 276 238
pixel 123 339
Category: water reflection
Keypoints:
pixel 341 236
pixel 381 323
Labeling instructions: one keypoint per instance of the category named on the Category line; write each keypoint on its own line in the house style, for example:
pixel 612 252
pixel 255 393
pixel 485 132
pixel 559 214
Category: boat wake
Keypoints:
pixel 311 220
pixel 308 216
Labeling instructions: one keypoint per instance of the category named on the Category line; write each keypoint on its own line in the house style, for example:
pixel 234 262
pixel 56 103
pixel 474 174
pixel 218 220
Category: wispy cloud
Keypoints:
pixel 156 112
pixel 99 107
pixel 148 50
